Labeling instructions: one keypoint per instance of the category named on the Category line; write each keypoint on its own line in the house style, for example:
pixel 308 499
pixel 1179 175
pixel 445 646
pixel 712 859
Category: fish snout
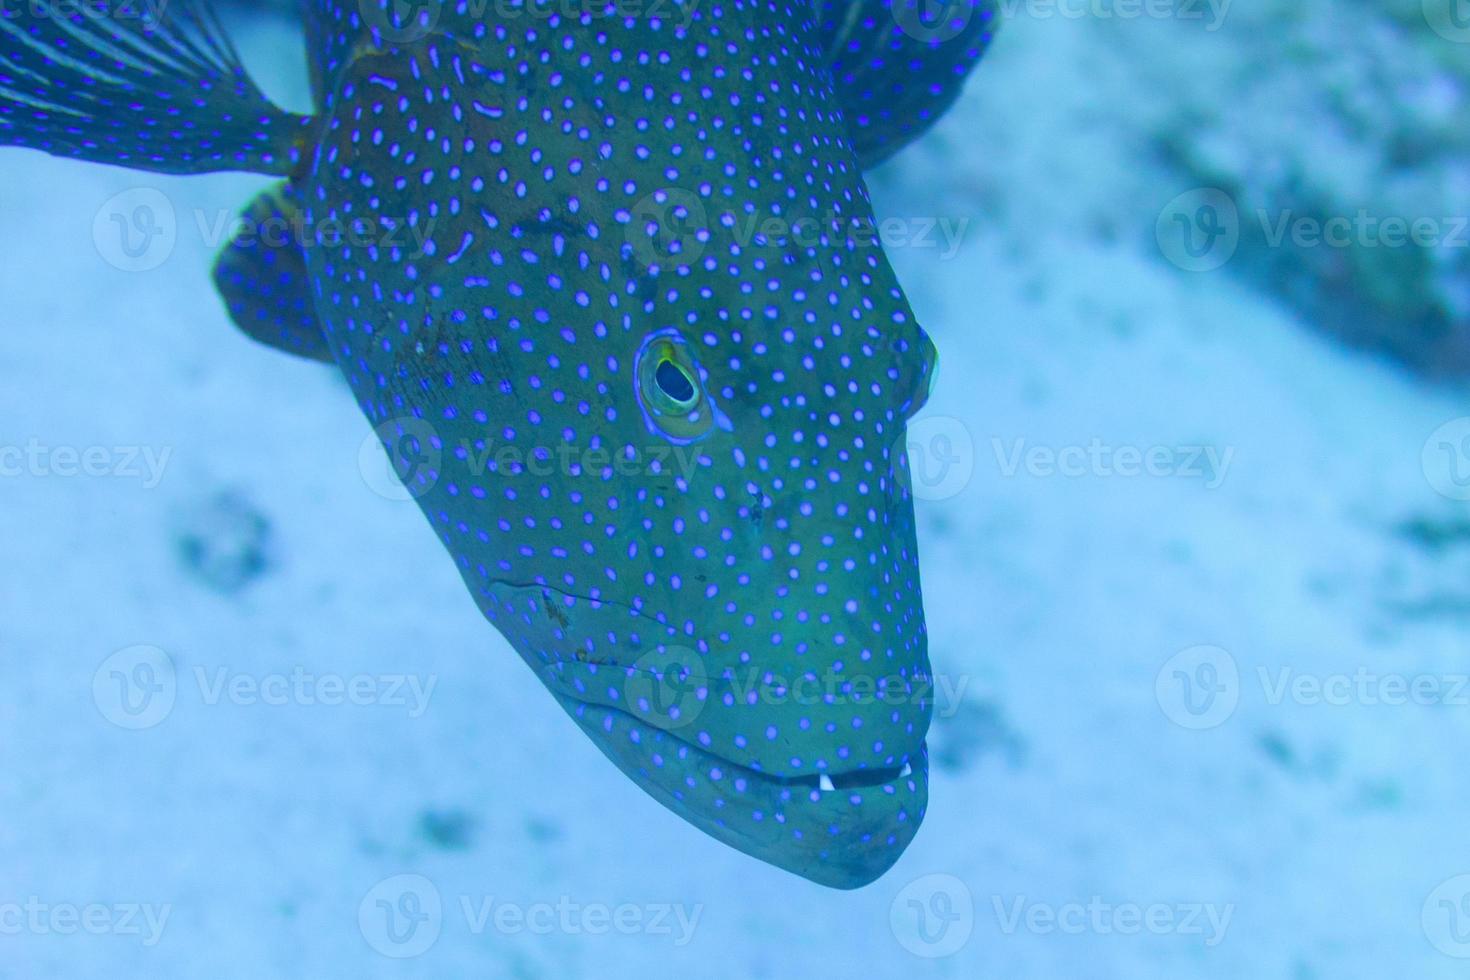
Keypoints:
pixel 809 755
pixel 842 831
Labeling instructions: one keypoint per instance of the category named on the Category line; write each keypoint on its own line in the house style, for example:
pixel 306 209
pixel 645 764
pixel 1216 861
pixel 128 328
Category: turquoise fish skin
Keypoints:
pixel 751 571
pixel 632 346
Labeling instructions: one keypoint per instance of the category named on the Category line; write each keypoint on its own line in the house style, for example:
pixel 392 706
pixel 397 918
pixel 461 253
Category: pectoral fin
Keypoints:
pixel 898 65
pixel 262 277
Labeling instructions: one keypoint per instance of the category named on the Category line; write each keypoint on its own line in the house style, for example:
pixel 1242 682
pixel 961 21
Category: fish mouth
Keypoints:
pixel 641 700
pixel 866 777
pixel 839 829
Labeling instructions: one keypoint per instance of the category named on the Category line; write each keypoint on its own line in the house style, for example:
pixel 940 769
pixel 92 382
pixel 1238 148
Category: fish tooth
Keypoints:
pixel 908 770
pixel 825 782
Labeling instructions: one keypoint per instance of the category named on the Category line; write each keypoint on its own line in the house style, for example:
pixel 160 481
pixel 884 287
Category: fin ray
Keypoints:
pixel 166 94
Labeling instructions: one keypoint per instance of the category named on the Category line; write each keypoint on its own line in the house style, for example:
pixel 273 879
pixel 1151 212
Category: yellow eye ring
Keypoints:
pixel 671 390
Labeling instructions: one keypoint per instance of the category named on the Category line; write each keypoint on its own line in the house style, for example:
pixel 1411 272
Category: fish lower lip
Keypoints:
pixel 824 782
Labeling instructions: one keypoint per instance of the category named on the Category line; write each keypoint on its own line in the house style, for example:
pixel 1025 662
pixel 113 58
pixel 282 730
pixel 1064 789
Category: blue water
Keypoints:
pixel 1195 575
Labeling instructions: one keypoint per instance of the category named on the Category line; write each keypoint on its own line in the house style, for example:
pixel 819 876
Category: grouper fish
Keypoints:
pixel 615 308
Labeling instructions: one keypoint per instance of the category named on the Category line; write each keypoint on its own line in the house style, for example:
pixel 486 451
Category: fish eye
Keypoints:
pixel 675 383
pixel 671 390
pixel 668 380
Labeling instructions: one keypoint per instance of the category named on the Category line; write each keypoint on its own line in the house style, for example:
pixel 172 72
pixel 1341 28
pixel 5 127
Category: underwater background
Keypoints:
pixel 1195 535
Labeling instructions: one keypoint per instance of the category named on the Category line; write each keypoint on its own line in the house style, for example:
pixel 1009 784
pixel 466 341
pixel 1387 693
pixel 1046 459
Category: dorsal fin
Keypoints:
pixel 157 88
pixel 898 65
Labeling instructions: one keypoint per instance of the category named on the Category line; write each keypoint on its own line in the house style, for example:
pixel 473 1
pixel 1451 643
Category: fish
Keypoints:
pixel 602 277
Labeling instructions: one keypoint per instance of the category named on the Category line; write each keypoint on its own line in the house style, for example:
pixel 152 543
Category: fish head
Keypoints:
pixel 653 370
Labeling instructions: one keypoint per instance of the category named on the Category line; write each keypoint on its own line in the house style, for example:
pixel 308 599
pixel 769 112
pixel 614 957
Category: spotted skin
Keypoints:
pixel 898 65
pixel 264 283
pixel 624 329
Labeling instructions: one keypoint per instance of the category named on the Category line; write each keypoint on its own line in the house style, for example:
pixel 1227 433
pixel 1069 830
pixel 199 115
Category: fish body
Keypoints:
pixel 619 317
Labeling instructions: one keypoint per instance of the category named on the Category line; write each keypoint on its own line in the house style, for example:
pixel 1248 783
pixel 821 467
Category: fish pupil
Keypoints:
pixel 674 382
